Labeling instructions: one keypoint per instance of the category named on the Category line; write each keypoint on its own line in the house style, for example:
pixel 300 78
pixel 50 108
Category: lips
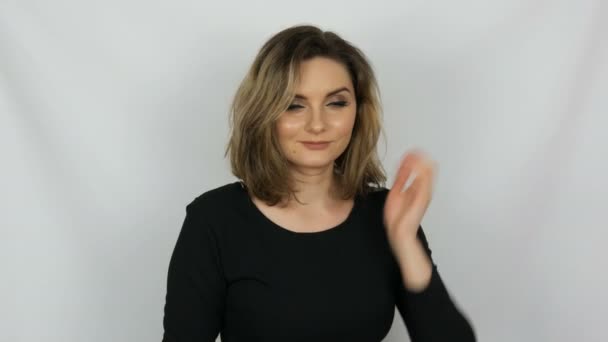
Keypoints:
pixel 315 145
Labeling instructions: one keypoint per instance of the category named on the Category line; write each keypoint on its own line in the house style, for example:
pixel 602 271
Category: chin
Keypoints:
pixel 313 163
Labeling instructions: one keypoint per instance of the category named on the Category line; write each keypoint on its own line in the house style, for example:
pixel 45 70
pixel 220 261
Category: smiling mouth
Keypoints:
pixel 316 145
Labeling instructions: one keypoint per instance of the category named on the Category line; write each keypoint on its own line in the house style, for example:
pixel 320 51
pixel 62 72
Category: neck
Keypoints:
pixel 317 187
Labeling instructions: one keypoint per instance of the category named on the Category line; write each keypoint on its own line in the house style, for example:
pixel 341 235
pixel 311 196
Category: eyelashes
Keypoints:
pixel 337 103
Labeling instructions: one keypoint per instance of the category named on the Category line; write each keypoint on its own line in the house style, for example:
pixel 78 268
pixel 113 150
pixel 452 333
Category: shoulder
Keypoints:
pixel 216 199
pixel 373 199
pixel 211 209
pixel 377 195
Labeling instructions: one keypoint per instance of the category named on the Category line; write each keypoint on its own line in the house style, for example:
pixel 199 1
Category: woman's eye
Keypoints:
pixel 294 106
pixel 337 103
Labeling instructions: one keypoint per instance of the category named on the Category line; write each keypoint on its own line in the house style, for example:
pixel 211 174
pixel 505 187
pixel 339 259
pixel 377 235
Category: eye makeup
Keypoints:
pixel 336 103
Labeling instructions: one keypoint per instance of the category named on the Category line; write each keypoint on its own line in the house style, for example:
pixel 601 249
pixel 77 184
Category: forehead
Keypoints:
pixel 320 75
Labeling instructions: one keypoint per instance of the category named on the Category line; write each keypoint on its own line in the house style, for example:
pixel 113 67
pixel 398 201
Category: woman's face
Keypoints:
pixel 323 111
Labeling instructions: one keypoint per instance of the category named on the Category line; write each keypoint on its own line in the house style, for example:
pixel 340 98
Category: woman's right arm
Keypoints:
pixel 196 287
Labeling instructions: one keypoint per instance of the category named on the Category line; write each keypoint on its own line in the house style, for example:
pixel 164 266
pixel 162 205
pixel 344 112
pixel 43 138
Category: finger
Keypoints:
pixel 408 164
pixel 424 179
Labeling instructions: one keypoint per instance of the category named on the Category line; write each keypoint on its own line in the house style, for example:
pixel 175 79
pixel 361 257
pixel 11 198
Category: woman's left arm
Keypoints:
pixel 423 301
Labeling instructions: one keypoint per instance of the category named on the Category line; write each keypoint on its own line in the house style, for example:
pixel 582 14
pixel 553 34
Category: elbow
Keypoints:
pixel 465 332
pixel 469 335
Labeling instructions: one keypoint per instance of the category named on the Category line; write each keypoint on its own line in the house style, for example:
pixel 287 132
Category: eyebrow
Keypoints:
pixel 300 96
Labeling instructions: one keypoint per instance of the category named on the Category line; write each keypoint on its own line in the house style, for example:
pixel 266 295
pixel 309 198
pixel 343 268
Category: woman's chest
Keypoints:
pixel 326 287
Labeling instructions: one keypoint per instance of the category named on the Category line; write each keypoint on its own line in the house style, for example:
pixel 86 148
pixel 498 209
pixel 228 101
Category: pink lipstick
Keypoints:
pixel 315 145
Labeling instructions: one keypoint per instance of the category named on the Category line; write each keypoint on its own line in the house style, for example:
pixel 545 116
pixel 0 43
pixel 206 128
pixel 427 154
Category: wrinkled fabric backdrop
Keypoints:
pixel 114 116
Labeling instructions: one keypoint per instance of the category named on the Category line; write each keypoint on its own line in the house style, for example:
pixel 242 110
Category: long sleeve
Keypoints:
pixel 431 315
pixel 194 302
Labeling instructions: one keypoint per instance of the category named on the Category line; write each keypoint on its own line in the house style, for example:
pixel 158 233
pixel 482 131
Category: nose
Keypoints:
pixel 316 121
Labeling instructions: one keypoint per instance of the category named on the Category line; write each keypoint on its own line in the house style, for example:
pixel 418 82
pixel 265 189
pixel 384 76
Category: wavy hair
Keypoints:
pixel 266 92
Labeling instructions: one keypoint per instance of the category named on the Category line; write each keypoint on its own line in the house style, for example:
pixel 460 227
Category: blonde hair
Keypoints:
pixel 267 91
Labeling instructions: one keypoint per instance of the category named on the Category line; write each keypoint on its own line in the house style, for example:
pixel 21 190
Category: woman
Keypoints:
pixel 308 245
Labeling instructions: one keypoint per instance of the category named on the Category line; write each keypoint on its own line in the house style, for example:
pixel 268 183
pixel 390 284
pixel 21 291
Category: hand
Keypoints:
pixel 404 208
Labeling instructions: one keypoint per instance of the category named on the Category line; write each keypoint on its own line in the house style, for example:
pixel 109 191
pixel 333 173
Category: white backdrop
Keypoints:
pixel 114 116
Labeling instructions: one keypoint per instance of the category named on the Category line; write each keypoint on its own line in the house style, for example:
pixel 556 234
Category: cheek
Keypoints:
pixel 344 125
pixel 287 131
pixel 344 130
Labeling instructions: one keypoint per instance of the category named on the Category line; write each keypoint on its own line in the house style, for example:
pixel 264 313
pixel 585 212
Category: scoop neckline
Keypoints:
pixel 275 226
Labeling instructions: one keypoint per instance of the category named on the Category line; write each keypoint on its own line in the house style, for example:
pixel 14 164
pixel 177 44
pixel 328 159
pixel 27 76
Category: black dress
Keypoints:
pixel 235 273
